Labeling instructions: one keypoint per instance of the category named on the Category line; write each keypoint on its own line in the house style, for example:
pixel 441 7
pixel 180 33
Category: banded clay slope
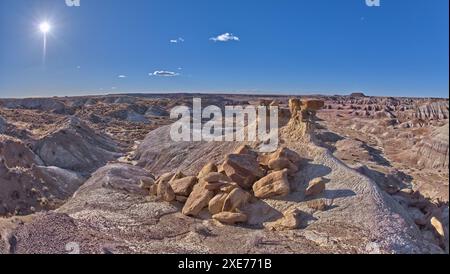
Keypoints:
pixel 111 213
pixel 75 146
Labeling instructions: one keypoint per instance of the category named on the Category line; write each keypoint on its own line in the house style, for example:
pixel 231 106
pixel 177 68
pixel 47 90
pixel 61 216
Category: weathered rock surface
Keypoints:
pixel 230 218
pixel 208 168
pixel 235 199
pixel 275 184
pixel 433 111
pixel 76 147
pixel 165 192
pixel 45 104
pixel 315 187
pixel 291 220
pixel 242 169
pixel 198 200
pixel 434 150
pixel 183 186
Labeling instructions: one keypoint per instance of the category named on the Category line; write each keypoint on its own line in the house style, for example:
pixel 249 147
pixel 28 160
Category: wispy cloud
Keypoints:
pixel 225 38
pixel 122 76
pixel 164 73
pixel 178 40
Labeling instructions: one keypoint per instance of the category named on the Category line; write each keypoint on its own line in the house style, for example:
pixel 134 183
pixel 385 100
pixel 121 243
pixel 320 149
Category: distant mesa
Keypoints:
pixel 357 94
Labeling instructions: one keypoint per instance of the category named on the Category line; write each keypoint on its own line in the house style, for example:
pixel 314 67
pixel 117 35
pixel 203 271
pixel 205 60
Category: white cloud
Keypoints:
pixel 178 40
pixel 164 73
pixel 122 76
pixel 225 38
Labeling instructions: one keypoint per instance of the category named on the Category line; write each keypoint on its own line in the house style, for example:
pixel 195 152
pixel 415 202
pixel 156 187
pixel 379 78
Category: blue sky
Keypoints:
pixel 273 46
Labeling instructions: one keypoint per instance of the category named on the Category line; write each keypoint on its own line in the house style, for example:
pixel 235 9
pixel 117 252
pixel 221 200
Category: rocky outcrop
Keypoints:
pixel 434 150
pixel 16 154
pixel 44 104
pixel 303 117
pixel 28 190
pixel 433 111
pixel 75 146
pixel 156 111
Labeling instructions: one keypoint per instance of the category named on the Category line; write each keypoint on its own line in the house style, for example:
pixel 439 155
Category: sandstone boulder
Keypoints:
pixel 283 163
pixel 246 150
pixel 274 184
pixel 215 206
pixel 198 200
pixel 166 177
pixel 242 169
pixel 165 191
pixel 215 177
pixel 208 168
pixel 235 200
pixel 183 186
pixel 291 220
pixel 230 218
pixel 282 153
pixel 438 226
pixel 227 188
pixel 315 187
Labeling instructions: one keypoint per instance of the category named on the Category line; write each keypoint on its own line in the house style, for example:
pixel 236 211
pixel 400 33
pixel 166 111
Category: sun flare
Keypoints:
pixel 44 27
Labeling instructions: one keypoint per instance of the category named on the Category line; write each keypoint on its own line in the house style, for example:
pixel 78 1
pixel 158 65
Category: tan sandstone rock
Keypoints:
pixel 291 220
pixel 315 187
pixel 165 191
pixel 216 177
pixel 230 218
pixel 208 168
pixel 216 204
pixel 227 188
pixel 274 184
pixel 283 163
pixel 166 177
pixel 235 199
pixel 242 169
pixel 198 200
pixel 154 189
pixel 438 226
pixel 183 186
pixel 245 149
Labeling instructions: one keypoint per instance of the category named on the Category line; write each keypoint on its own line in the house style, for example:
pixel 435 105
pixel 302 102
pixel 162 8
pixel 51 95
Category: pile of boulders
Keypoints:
pixel 243 177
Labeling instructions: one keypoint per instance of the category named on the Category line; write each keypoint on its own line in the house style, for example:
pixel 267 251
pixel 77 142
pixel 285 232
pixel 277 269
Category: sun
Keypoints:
pixel 44 27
